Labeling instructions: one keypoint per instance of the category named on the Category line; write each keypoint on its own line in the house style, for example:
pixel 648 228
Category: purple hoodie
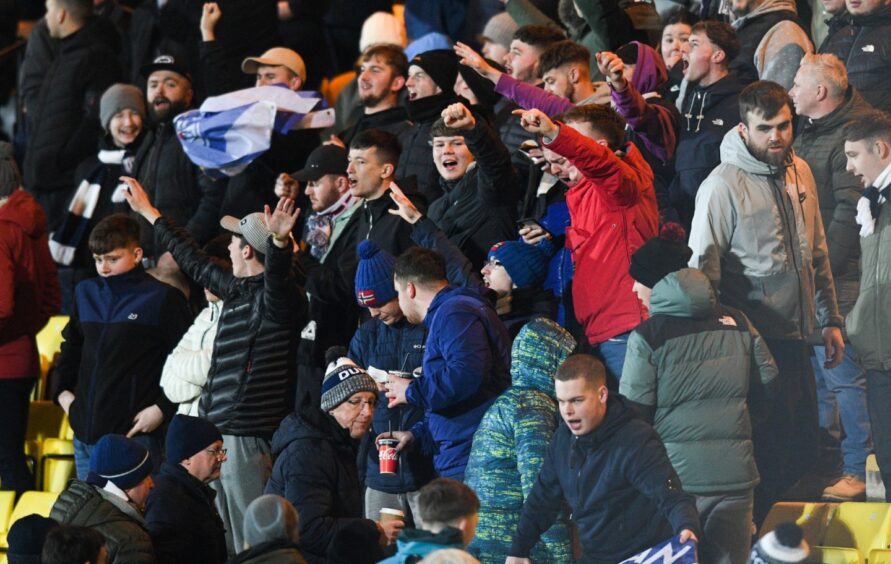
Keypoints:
pixel 652 122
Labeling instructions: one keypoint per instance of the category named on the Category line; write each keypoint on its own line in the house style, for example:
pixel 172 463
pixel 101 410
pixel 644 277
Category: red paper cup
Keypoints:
pixel 388 456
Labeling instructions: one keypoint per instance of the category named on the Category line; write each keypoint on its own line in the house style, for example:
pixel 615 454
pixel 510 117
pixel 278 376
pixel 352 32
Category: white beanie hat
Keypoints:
pixel 382 27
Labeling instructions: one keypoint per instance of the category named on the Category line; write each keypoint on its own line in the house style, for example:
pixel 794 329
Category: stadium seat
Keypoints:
pixel 813 518
pixel 7 502
pixel 56 464
pixel 30 502
pixel 878 556
pixel 854 531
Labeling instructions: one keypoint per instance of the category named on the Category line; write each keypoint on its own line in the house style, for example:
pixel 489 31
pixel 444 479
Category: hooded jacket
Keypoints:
pixel 697 363
pixel 512 442
pixel 479 209
pixel 126 534
pixel 619 483
pixel 758 236
pixel 613 212
pixel 466 366
pixel 315 470
pixel 772 43
pixel 820 142
pixel 707 113
pixel 869 325
pixel 414 544
pixel 863 46
pixel 29 286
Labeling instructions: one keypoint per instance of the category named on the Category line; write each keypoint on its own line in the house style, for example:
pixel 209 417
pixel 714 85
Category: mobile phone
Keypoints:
pixel 532 222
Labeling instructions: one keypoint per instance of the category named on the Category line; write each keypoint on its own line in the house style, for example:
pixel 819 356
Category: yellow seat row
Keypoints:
pixel 839 533
pixel 30 502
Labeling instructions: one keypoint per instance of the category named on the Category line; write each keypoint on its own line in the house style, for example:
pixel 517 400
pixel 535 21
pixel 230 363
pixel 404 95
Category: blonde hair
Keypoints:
pixel 828 70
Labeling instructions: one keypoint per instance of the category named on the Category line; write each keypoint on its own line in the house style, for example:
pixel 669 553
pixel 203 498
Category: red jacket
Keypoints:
pixel 612 213
pixel 29 284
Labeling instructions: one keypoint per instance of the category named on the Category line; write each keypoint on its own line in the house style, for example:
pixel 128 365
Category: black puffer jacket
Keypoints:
pixel 250 386
pixel 183 520
pixel 863 47
pixel 479 210
pixel 390 232
pixel 65 119
pixel 177 187
pixel 126 536
pixel 315 469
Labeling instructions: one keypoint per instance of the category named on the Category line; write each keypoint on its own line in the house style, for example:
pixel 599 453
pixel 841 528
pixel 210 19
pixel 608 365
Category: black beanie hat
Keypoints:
pixel 660 256
pixel 27 537
pixel 189 435
pixel 441 65
pixel 482 88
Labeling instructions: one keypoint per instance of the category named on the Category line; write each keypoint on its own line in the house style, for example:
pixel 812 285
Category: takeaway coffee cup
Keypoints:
pixel 388 514
pixel 389 458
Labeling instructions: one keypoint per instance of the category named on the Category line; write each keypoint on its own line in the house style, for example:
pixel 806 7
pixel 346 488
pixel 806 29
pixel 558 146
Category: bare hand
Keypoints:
pixel 139 200
pixel 286 187
pixel 167 263
pixel 476 61
pixel 532 235
pixel 457 116
pixel 335 140
pixel 835 346
pixel 686 535
pixel 210 16
pixel 537 122
pixel 390 529
pixel 405 208
pixel 405 438
pixel 284 11
pixel 612 67
pixel 146 421
pixel 66 398
pixel 517 560
pixel 396 390
pixel 281 221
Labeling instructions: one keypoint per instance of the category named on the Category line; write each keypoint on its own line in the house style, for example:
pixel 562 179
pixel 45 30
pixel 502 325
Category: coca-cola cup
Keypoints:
pixel 389 458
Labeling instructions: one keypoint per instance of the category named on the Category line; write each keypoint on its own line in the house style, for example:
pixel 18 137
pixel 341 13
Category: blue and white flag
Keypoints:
pixel 228 132
pixel 671 551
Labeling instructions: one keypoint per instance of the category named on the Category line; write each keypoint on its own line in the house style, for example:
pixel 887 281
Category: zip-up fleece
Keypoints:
pixel 758 235
pixel 121 330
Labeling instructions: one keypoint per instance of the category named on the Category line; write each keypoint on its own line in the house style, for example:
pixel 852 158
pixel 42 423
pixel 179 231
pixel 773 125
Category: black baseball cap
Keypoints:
pixel 166 62
pixel 325 159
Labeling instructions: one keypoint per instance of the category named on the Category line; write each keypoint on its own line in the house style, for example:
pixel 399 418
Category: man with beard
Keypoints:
pixel 381 78
pixel 176 186
pixel 758 235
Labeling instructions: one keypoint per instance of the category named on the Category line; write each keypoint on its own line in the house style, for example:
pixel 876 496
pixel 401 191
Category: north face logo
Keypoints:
pixel 133 316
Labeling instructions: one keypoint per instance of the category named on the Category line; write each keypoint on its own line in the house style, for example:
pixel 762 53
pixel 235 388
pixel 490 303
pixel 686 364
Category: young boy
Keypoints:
pixel 122 327
pixel 449 512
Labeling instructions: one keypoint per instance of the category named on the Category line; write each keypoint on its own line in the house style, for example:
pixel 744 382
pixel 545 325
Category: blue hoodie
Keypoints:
pixel 466 366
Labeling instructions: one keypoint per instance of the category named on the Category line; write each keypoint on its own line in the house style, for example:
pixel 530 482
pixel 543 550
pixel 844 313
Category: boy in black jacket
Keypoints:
pixel 123 325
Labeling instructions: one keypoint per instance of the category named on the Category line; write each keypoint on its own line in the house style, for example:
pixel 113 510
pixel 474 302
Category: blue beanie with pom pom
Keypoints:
pixel 660 256
pixel 374 276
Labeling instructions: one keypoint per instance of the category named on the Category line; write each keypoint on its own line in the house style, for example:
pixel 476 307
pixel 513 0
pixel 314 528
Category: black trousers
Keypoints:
pixel 14 397
pixel 878 398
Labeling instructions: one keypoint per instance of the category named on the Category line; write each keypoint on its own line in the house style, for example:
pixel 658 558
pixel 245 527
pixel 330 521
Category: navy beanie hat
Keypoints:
pixel 527 265
pixel 119 460
pixel 188 435
pixel 374 276
pixel 27 537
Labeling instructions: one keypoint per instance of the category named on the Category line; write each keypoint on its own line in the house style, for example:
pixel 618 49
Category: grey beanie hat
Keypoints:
pixel 10 177
pixel 500 29
pixel 120 97
pixel 270 518
pixel 344 381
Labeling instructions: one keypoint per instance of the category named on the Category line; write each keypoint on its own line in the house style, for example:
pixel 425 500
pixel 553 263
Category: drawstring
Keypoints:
pixel 702 97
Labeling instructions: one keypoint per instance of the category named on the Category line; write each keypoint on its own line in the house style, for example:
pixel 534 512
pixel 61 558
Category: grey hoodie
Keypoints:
pixel 758 235
pixel 779 48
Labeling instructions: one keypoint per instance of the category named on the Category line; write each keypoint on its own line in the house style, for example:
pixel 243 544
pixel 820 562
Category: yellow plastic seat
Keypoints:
pixel 49 340
pixel 880 556
pixel 30 502
pixel 7 502
pixel 56 465
pixel 44 421
pixel 856 528
pixel 813 518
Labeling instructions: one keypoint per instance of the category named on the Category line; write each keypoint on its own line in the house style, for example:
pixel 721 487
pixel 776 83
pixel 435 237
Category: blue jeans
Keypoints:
pixel 841 395
pixel 82 452
pixel 612 353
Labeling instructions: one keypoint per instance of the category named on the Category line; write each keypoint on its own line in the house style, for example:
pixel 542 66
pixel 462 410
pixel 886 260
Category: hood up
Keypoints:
pixel 538 350
pixel 685 293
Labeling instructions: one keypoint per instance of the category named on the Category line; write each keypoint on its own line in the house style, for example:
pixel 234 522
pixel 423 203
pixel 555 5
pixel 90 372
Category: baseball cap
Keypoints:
pixel 325 159
pixel 276 57
pixel 166 62
pixel 251 227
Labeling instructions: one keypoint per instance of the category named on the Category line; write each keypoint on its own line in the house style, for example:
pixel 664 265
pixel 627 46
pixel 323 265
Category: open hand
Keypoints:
pixel 146 421
pixel 281 221
pixel 404 207
pixel 474 60
pixel 396 390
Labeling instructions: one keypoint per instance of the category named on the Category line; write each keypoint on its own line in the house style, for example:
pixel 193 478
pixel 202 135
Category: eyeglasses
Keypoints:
pixel 218 452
